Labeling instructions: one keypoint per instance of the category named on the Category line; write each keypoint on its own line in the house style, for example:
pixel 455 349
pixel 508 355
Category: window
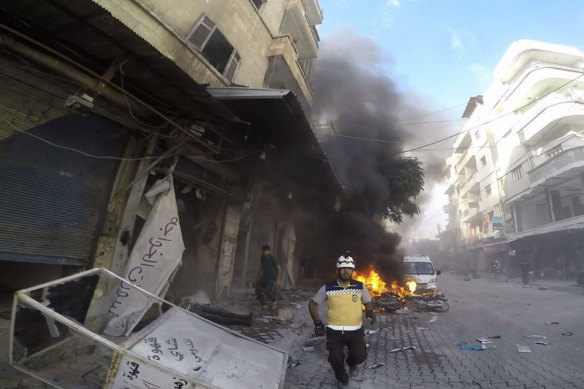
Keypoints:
pixel 418 268
pixel 488 190
pixel 206 37
pixel 517 173
pixel 554 151
pixel 483 161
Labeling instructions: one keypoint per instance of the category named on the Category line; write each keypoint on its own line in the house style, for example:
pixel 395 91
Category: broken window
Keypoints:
pixel 214 46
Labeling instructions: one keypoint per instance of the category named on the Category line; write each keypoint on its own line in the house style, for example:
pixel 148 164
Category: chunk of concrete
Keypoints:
pixel 284 314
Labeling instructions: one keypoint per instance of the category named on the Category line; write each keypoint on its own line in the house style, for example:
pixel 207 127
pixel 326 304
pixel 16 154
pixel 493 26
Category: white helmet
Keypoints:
pixel 345 260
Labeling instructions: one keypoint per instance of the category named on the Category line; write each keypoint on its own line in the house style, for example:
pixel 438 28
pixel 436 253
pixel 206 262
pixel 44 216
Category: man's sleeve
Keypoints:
pixel 366 295
pixel 275 261
pixel 320 296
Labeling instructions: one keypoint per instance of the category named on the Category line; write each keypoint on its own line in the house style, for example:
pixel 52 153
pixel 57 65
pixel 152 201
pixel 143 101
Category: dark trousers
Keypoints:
pixel 336 342
pixel 267 287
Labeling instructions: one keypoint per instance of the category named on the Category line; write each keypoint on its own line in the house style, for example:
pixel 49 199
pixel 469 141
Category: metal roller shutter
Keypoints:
pixel 52 199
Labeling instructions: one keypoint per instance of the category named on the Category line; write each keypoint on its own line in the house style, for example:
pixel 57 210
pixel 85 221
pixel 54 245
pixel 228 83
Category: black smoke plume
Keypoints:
pixel 352 91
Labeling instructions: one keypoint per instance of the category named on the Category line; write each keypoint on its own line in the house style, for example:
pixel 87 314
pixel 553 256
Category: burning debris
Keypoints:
pixel 396 296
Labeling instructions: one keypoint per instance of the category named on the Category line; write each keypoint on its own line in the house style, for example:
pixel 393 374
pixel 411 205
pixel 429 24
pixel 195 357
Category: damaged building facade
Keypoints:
pixel 100 99
pixel 516 178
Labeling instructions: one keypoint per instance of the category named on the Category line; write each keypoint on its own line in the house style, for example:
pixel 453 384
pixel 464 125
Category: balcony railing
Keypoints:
pixel 566 160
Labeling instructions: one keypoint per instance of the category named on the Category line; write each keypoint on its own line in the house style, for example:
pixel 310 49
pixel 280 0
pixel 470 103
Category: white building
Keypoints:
pixel 516 176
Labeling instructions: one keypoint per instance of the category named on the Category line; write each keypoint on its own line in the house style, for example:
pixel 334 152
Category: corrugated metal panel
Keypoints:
pixel 52 198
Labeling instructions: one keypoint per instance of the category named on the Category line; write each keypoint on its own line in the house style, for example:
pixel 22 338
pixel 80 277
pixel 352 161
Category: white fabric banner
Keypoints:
pixel 156 254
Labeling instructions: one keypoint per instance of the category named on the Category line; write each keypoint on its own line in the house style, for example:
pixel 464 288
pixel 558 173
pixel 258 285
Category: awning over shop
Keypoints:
pixel 497 247
pixel 278 119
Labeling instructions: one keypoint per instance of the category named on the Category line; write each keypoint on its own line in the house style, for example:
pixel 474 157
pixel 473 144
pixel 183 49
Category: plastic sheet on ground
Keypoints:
pixel 523 349
pixel 473 347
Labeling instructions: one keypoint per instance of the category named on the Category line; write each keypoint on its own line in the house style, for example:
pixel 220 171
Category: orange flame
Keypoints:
pixel 373 281
pixel 377 286
pixel 399 290
pixel 411 285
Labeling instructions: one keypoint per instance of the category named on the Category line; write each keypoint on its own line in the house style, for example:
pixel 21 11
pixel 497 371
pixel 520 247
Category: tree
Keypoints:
pixel 406 181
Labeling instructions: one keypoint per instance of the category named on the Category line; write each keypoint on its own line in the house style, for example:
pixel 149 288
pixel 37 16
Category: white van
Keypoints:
pixel 420 269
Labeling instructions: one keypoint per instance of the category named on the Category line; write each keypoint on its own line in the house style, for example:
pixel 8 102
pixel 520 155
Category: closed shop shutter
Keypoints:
pixel 53 194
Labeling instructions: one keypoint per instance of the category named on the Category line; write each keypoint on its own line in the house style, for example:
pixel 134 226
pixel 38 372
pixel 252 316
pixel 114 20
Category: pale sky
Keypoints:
pixel 444 51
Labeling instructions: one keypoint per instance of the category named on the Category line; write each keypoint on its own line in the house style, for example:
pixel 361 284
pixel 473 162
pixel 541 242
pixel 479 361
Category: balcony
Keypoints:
pixel 469 161
pixel 515 183
pixel 462 142
pixel 559 166
pixel 550 118
pixel 286 73
pixel 471 185
pixel 313 12
pixel 471 215
pixel 524 52
pixel 300 30
pixel 537 82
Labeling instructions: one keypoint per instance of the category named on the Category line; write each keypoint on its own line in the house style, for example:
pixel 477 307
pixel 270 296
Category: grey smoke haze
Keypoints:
pixel 352 90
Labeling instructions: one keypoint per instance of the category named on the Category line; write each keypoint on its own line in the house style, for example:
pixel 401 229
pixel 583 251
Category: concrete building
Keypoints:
pixel 516 181
pixel 100 98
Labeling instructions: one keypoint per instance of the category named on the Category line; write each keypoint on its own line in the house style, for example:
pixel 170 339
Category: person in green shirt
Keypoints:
pixel 270 278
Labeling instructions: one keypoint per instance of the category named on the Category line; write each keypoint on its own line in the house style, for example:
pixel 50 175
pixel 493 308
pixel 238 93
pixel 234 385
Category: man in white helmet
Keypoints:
pixel 344 327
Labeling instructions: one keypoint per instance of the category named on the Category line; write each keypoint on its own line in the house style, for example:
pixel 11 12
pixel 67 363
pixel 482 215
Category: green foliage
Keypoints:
pixel 406 181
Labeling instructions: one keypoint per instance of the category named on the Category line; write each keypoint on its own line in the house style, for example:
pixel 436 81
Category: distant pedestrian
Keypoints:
pixel 270 278
pixel 343 297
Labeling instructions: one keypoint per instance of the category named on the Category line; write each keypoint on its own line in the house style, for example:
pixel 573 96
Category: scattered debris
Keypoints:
pixel 483 340
pixel 568 333
pixel 523 349
pixel 542 342
pixel 403 349
pixel 265 318
pixel 474 347
pixel 314 339
pixel 433 319
pixel 548 323
pixel 293 364
pixel 543 288
pixel 307 348
pixel 376 365
pixel 423 328
pixel 284 314
pixel 536 337
pixel 495 337
pixel 370 332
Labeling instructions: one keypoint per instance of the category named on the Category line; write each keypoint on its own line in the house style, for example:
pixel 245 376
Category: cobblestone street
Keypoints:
pixel 479 308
